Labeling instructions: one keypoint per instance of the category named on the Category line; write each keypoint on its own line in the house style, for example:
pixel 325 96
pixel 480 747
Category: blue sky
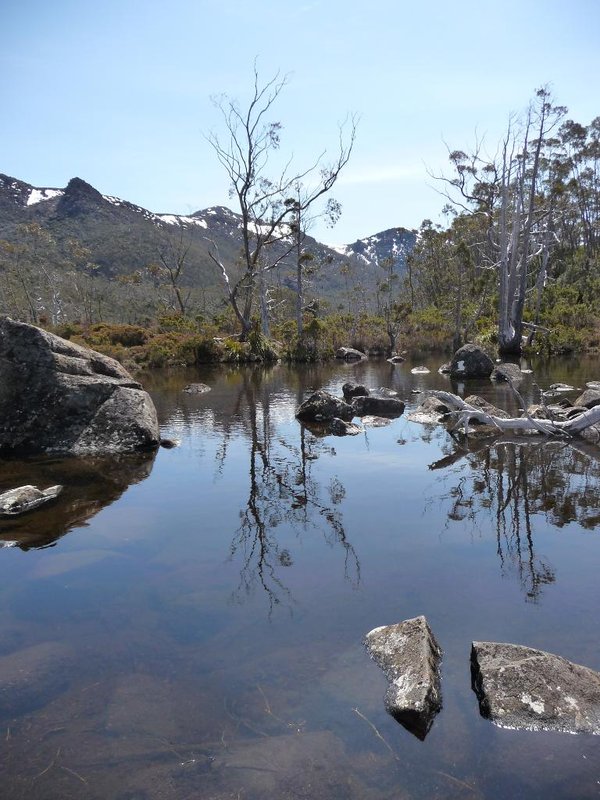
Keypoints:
pixel 119 93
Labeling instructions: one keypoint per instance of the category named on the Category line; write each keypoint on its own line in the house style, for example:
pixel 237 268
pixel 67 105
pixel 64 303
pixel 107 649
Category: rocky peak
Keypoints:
pixel 79 198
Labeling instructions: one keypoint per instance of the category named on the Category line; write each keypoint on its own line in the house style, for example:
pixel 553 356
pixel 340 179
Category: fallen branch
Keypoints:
pixel 464 412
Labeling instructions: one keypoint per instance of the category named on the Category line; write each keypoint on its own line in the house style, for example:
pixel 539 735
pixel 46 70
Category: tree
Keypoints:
pixel 273 209
pixel 508 194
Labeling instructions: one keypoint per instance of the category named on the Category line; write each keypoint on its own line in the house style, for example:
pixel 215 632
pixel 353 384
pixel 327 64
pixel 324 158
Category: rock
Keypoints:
pixel 383 391
pixel 420 371
pixel 196 388
pixel 429 412
pixel 350 390
pixel 396 359
pixel 26 498
pixel 470 361
pixel 323 407
pixel 380 406
pixel 29 678
pixel 341 428
pixel 562 387
pixel 169 444
pixel 444 369
pixel 349 354
pixel 58 397
pixel 511 373
pixel 593 385
pixel 518 687
pixel 375 422
pixel 410 658
pixel 589 398
pixel 479 402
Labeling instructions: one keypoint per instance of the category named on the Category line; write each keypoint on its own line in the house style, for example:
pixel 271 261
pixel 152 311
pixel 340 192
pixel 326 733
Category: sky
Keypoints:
pixel 120 93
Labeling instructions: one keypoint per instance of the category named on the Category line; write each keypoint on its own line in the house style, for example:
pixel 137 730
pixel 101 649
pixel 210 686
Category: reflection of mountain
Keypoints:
pixel 90 484
pixel 512 480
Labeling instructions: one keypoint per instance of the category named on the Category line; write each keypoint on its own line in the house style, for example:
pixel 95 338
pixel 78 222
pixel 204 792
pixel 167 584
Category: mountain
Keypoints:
pixel 120 239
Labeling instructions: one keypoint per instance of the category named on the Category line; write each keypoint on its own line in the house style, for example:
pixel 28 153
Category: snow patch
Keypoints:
pixel 39 195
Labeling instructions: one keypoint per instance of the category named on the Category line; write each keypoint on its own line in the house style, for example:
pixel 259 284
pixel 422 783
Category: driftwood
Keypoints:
pixel 465 413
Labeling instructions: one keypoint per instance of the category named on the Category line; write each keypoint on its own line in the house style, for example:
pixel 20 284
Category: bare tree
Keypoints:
pixel 270 225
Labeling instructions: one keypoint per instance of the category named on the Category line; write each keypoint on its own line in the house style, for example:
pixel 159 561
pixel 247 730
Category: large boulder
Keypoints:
pixel 518 687
pixel 470 361
pixel 58 397
pixel 322 406
pixel 410 658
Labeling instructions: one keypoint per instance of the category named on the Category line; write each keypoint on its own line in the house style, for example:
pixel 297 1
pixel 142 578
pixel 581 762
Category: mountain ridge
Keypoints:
pixel 123 238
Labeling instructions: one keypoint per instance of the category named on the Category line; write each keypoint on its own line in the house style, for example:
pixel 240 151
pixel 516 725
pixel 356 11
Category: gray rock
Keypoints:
pixel 196 388
pixel 340 427
pixel 429 412
pixel 31 677
pixel 323 407
pixel 349 354
pixel 589 398
pixel 371 421
pixel 518 687
pixel 444 369
pixel 384 391
pixel 26 498
pixel 480 402
pixel 396 359
pixel 562 387
pixel 350 390
pixel 58 397
pixel 410 658
pixel 593 385
pixel 510 373
pixel 420 371
pixel 470 361
pixel 379 406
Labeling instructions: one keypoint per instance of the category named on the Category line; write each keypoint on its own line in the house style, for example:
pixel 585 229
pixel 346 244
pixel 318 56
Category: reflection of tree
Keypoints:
pixel 282 492
pixel 511 480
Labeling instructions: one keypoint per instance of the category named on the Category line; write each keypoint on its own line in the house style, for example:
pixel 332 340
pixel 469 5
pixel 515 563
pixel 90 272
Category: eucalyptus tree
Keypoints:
pixel 512 195
pixel 274 206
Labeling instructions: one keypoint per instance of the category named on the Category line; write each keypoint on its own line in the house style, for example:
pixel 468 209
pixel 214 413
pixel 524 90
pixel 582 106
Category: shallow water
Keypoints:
pixel 190 625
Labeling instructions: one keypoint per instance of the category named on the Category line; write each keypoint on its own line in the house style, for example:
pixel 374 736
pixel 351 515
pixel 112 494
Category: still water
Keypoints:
pixel 189 624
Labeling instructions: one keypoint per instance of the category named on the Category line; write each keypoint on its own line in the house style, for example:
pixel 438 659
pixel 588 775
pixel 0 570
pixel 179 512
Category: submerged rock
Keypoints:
pixel 470 361
pixel 58 397
pixel 379 406
pixel 26 498
pixel 410 658
pixel 323 407
pixel 196 388
pixel 519 687
pixel 420 371
pixel 396 359
pixel 31 677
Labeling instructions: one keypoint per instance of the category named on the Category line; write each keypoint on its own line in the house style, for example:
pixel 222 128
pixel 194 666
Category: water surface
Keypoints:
pixel 190 624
